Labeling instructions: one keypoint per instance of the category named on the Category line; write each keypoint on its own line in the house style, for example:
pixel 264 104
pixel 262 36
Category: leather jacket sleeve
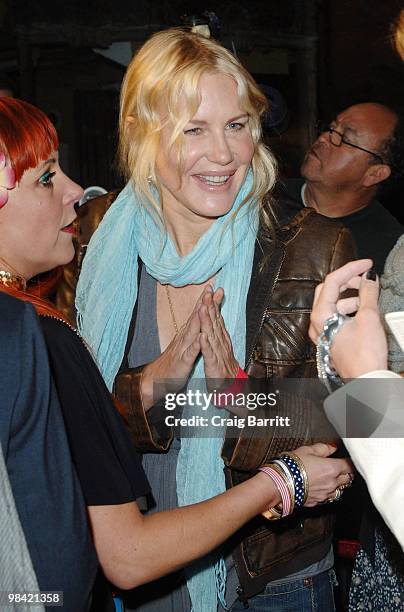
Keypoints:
pixel 149 432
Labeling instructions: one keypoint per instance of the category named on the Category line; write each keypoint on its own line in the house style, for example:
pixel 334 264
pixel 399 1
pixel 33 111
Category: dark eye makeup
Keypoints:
pixel 46 178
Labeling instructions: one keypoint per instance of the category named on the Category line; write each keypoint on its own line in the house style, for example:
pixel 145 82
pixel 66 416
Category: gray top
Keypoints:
pixel 145 346
pixel 16 571
pixel 392 299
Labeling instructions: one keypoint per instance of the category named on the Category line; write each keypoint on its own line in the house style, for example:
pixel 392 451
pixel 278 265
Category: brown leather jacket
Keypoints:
pixel 285 273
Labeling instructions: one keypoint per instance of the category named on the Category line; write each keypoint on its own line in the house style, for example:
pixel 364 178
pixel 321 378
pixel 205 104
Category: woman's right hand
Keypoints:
pixel 175 364
pixel 324 474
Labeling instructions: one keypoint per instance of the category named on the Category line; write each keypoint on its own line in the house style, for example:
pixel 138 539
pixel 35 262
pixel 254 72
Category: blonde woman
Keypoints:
pixel 36 234
pixel 192 274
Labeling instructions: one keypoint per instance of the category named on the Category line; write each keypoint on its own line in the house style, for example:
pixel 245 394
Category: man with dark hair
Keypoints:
pixel 343 170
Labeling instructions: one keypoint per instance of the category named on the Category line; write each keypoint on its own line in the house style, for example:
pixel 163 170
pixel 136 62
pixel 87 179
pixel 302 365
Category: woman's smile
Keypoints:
pixel 214 181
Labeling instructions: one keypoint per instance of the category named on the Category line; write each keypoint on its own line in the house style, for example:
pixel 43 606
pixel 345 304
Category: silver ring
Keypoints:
pixel 348 484
pixel 337 495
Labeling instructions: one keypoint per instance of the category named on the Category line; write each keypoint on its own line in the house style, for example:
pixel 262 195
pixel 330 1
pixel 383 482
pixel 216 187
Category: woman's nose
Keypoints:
pixel 220 151
pixel 72 192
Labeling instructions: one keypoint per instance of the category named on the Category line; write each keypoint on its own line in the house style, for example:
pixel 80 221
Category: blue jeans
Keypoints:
pixel 315 594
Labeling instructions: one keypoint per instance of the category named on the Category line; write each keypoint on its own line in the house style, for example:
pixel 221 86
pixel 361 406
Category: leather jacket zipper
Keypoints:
pixel 282 329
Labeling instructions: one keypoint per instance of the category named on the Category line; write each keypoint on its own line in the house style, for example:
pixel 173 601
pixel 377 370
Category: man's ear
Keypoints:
pixel 376 173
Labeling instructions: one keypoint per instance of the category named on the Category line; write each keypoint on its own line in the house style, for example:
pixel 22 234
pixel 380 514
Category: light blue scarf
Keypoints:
pixel 105 298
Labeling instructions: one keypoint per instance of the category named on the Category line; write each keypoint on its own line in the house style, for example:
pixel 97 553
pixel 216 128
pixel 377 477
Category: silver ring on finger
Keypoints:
pixel 348 484
pixel 337 495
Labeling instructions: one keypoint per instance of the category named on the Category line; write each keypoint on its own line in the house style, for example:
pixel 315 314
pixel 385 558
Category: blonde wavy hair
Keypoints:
pixel 164 75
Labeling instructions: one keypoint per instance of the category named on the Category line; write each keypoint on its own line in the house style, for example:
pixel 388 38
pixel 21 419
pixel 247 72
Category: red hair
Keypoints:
pixel 27 136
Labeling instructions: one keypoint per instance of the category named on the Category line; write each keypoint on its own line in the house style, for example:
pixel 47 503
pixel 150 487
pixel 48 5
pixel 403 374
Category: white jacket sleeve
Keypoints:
pixel 380 460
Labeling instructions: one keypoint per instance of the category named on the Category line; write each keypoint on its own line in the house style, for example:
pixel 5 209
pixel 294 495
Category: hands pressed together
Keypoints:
pixel 204 333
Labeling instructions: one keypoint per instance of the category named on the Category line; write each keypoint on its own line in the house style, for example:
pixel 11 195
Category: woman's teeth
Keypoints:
pixel 214 180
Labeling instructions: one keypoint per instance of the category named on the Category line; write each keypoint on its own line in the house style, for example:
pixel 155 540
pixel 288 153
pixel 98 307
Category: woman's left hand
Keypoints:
pixel 216 346
pixel 325 475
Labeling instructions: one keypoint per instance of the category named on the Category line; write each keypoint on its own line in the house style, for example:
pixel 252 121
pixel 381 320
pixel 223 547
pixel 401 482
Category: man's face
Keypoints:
pixel 345 167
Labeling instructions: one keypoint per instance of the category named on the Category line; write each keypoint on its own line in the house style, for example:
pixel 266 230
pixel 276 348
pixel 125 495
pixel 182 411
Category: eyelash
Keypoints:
pixel 193 131
pixel 238 126
pixel 46 179
pixel 197 130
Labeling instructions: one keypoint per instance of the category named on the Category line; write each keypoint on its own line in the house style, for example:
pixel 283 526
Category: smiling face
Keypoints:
pixel 366 125
pixel 35 223
pixel 217 152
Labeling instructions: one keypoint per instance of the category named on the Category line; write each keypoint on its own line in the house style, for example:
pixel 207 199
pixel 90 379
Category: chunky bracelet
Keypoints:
pixel 303 474
pixel 275 512
pixel 298 480
pixel 326 372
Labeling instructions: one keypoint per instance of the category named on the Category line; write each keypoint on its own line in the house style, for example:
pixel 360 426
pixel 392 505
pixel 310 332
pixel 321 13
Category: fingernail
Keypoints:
pixel 371 275
pixel 333 444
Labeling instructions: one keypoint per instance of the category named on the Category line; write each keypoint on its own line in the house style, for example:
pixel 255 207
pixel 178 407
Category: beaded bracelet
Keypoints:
pixel 275 512
pixel 298 480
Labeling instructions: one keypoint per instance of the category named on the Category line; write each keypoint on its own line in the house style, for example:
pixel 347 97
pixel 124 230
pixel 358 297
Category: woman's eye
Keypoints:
pixel 193 131
pixel 46 178
pixel 235 126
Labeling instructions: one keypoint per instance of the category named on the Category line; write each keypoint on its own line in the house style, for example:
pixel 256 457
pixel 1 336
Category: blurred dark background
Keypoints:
pixel 69 58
